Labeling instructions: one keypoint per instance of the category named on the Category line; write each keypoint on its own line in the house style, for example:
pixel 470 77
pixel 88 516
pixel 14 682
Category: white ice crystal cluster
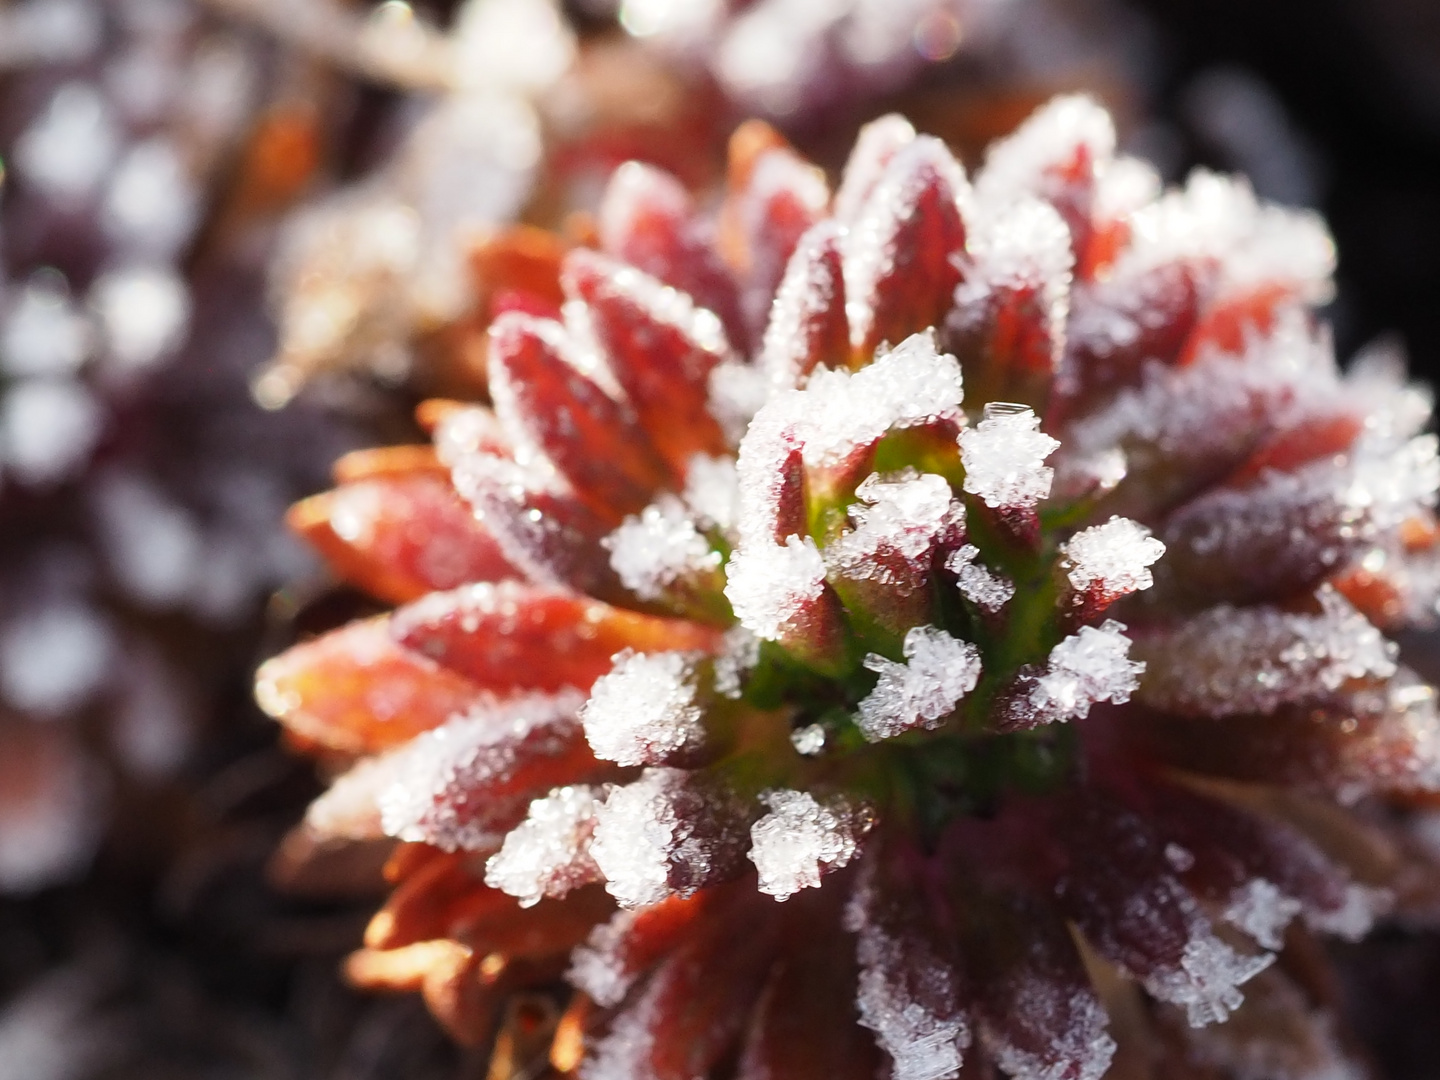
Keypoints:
pixel 647 710
pixel 665 834
pixel 1004 457
pixel 976 581
pixel 1207 981
pixel 1113 559
pixel 938 672
pixel 801 838
pixel 1092 665
pixel 658 547
pixel 548 854
pixel 901 516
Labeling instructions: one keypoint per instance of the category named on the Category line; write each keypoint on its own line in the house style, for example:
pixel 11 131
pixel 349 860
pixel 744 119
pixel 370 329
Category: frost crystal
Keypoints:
pixel 645 711
pixel 624 1052
pixel 548 854
pixel 904 513
pixel 939 671
pixel 665 834
pixel 598 968
pixel 907 996
pixel 1083 1051
pixel 712 491
pixel 839 412
pixel 1208 979
pixel 1261 910
pixel 769 584
pixel 1022 247
pixel 1004 457
pixel 1023 160
pixel 1352 920
pixel 654 549
pixel 1230 661
pixel 437 793
pixel 809 740
pixel 1113 559
pixel 978 583
pixel 1088 667
pixel 739 654
pixel 800 839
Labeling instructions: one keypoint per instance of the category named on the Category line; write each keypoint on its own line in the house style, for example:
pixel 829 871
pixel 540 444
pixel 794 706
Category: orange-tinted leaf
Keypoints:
pixel 357 691
pixel 509 636
pixel 400 536
pixel 386 461
pixel 1226 326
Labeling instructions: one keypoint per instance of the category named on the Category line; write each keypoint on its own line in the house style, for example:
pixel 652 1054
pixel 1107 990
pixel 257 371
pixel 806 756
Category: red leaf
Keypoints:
pixel 661 351
pixel 591 438
pixel 356 690
pixel 399 537
pixel 508 636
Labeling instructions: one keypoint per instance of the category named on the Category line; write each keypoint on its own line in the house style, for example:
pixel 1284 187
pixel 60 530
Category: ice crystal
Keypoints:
pixel 1207 981
pixel 938 672
pixel 646 711
pixel 658 547
pixel 664 835
pixel 769 584
pixel 548 853
pixel 1088 667
pixel 978 583
pixel 800 839
pixel 1113 559
pixel 1004 458
pixel 1261 910
pixel 906 514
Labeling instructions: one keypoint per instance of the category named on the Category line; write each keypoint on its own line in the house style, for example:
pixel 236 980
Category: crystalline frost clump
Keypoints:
pixel 1004 457
pixel 918 694
pixel 658 547
pixel 769 584
pixel 664 835
pixel 905 514
pixel 800 839
pixel 1113 559
pixel 1088 667
pixel 646 710
pixel 978 583
pixel 548 853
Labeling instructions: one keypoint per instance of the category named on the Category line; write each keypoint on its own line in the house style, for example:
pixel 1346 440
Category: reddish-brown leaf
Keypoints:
pixel 509 636
pixel 661 350
pixel 542 397
pixel 400 536
pixel 356 690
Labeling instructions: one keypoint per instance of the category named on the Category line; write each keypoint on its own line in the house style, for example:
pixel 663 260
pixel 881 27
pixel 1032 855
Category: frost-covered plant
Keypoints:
pixel 933 623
